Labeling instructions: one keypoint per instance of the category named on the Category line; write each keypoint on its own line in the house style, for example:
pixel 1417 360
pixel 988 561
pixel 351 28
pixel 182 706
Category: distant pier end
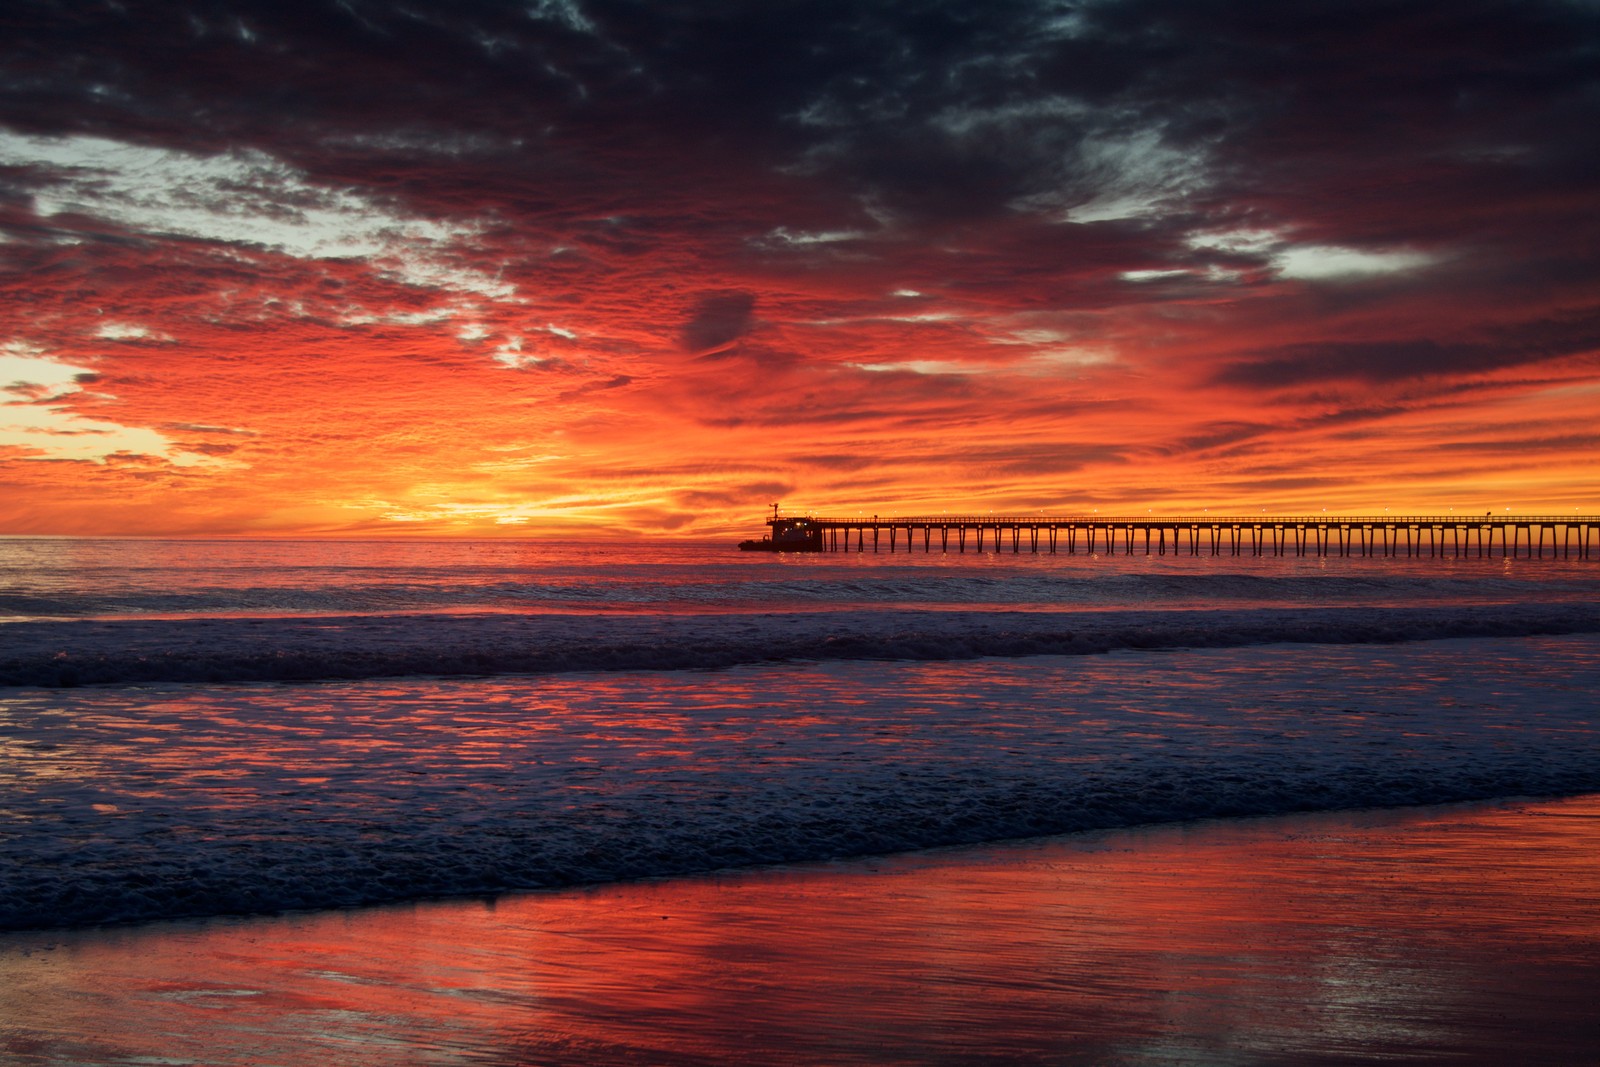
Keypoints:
pixel 789 535
pixel 1517 536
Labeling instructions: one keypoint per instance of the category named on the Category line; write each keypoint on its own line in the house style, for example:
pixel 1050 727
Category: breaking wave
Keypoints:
pixel 135 804
pixel 136 651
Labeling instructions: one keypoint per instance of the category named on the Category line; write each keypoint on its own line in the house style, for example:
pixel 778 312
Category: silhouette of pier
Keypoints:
pixel 1515 536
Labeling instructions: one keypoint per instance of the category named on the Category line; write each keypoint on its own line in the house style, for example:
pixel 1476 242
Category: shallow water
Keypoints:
pixel 147 802
pixel 1466 935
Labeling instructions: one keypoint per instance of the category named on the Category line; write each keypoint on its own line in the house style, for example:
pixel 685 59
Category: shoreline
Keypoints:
pixel 1468 933
pixel 164 802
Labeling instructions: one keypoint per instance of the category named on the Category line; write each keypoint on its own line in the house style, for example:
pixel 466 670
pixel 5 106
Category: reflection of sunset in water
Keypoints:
pixel 1466 935
pixel 179 801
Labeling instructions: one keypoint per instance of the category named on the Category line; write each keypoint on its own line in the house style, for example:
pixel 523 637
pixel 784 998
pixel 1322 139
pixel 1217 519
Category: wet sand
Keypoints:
pixel 1460 935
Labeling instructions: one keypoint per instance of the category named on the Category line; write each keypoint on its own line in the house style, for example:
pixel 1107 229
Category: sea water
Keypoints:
pixel 197 728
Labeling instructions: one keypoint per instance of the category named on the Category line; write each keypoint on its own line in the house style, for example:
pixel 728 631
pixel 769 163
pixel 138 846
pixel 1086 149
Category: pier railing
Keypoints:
pixel 1569 536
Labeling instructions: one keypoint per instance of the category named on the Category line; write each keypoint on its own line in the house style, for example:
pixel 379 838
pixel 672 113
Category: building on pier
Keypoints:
pixel 788 535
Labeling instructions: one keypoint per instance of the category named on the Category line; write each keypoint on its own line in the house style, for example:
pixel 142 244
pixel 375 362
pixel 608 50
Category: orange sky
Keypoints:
pixel 591 267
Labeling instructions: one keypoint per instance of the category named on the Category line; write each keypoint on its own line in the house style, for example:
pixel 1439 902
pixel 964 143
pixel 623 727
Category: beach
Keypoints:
pixel 1464 934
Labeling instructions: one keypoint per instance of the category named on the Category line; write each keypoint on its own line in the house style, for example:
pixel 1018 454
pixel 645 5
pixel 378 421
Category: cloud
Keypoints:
pixel 39 423
pixel 1321 262
pixel 716 320
pixel 1406 359
pixel 241 197
pixel 126 331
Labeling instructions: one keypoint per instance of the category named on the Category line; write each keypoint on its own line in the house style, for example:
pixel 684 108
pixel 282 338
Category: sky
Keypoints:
pixel 607 268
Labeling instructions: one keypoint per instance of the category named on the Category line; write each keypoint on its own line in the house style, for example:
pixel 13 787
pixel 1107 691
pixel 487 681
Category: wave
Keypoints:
pixel 1001 584
pixel 441 840
pixel 269 872
pixel 130 804
pixel 138 651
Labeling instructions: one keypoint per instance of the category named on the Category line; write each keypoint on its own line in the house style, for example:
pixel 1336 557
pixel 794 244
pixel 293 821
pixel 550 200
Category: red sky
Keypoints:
pixel 348 268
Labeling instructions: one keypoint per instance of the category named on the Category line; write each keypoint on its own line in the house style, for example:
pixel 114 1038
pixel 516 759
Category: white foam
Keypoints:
pixel 136 803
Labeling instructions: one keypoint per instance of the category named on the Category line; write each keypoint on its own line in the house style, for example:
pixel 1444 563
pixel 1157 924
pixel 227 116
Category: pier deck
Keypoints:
pixel 1517 536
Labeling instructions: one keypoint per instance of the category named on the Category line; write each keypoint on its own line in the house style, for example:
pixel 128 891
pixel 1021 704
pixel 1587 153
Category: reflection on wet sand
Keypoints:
pixel 1467 935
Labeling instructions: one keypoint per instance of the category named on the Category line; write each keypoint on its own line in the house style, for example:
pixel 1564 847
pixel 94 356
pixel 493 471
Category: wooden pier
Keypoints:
pixel 1512 536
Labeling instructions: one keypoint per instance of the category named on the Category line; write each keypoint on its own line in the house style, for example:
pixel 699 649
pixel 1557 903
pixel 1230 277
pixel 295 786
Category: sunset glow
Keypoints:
pixel 605 267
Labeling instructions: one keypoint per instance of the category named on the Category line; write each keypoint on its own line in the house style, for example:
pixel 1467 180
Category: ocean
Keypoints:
pixel 200 728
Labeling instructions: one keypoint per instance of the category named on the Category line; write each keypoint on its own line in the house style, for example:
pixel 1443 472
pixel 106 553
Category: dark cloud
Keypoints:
pixel 187 427
pixel 1378 361
pixel 1582 443
pixel 738 496
pixel 1394 360
pixel 939 111
pixel 716 320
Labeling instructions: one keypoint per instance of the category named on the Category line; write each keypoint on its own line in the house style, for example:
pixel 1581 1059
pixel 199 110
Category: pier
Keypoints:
pixel 1508 536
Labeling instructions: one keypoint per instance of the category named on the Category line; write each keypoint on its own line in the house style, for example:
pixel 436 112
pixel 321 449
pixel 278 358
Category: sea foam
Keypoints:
pixel 172 800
